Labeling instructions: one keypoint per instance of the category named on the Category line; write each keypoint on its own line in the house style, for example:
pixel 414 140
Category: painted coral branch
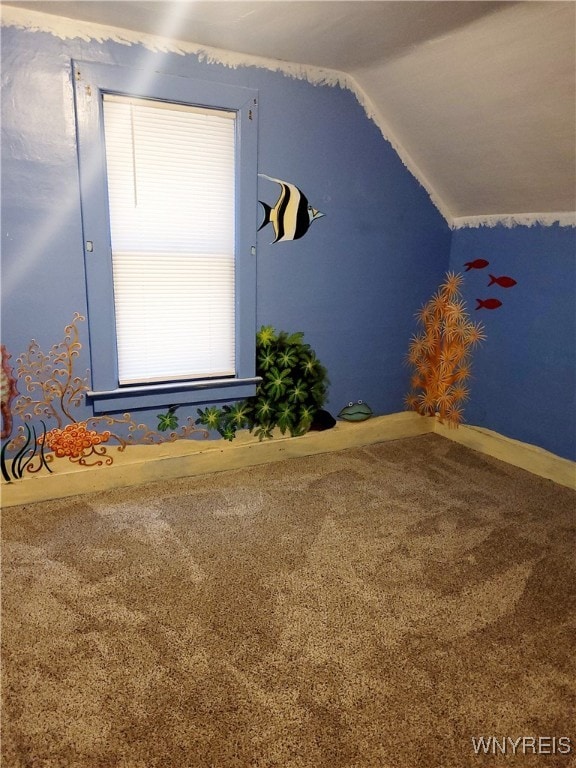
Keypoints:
pixel 440 354
pixel 50 380
pixel 54 391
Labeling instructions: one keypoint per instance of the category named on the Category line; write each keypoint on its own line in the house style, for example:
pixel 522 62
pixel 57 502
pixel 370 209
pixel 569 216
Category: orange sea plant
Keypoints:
pixel 440 354
pixel 54 393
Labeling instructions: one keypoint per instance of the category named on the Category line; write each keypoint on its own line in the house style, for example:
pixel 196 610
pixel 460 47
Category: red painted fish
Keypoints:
pixel 504 281
pixel 488 303
pixel 476 264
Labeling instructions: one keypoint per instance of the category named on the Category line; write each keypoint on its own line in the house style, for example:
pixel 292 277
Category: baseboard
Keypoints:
pixel 139 464
pixel 524 455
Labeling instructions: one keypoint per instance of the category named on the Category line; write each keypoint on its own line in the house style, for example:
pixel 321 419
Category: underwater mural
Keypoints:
pixel 504 281
pixel 291 215
pixel 290 396
pixel 53 391
pixel 441 354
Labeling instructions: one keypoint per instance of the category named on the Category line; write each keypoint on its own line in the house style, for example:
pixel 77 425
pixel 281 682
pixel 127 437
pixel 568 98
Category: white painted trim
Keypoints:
pixel 139 464
pixel 562 218
pixel 64 28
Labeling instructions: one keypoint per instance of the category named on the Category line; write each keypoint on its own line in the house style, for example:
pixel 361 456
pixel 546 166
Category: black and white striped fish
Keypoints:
pixel 292 215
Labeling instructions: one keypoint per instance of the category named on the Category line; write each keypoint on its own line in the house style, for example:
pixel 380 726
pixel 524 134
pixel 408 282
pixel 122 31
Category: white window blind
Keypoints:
pixel 171 171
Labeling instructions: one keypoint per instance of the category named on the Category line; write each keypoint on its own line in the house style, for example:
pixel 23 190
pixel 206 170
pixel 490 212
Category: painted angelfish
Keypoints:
pixel 291 215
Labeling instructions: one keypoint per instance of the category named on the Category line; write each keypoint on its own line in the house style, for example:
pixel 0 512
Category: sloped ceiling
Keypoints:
pixel 479 97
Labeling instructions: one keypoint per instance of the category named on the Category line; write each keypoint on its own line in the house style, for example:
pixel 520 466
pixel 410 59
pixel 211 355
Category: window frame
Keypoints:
pixel 91 81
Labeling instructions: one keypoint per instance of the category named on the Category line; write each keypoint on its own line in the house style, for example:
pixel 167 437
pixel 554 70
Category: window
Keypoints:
pixel 170 171
pixel 168 185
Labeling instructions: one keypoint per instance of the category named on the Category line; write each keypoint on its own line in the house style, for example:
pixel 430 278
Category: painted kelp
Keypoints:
pixel 441 354
pixel 51 394
pixel 26 454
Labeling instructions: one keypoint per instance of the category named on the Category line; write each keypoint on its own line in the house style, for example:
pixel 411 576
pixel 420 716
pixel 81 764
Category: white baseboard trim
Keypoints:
pixel 139 464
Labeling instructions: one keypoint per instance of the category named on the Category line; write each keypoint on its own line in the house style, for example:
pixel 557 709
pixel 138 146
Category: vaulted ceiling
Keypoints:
pixel 479 97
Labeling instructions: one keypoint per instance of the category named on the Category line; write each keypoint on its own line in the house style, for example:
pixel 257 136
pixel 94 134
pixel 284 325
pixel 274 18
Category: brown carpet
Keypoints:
pixel 372 608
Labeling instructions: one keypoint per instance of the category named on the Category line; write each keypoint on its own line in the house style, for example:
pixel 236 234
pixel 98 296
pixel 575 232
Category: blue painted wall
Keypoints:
pixel 351 284
pixel 524 374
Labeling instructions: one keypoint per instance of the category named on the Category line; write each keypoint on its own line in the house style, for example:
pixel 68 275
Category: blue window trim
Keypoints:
pixel 91 81
pixel 173 393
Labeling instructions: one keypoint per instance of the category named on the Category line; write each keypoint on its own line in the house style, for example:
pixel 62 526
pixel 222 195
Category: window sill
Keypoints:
pixel 174 393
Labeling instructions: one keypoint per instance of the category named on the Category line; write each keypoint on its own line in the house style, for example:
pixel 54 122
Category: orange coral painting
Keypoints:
pixel 75 441
pixel 441 354
pixel 52 392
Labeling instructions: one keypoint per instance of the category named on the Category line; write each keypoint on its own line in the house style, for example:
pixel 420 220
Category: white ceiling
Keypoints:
pixel 480 96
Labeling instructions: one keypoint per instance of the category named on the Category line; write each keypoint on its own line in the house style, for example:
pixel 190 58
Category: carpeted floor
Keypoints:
pixel 374 608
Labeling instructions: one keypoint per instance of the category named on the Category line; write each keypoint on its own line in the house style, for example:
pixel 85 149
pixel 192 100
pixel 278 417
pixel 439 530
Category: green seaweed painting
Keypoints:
pixel 168 420
pixel 293 389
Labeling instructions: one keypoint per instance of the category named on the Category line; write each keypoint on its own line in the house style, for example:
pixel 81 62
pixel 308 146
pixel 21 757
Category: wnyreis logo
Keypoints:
pixel 523 745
